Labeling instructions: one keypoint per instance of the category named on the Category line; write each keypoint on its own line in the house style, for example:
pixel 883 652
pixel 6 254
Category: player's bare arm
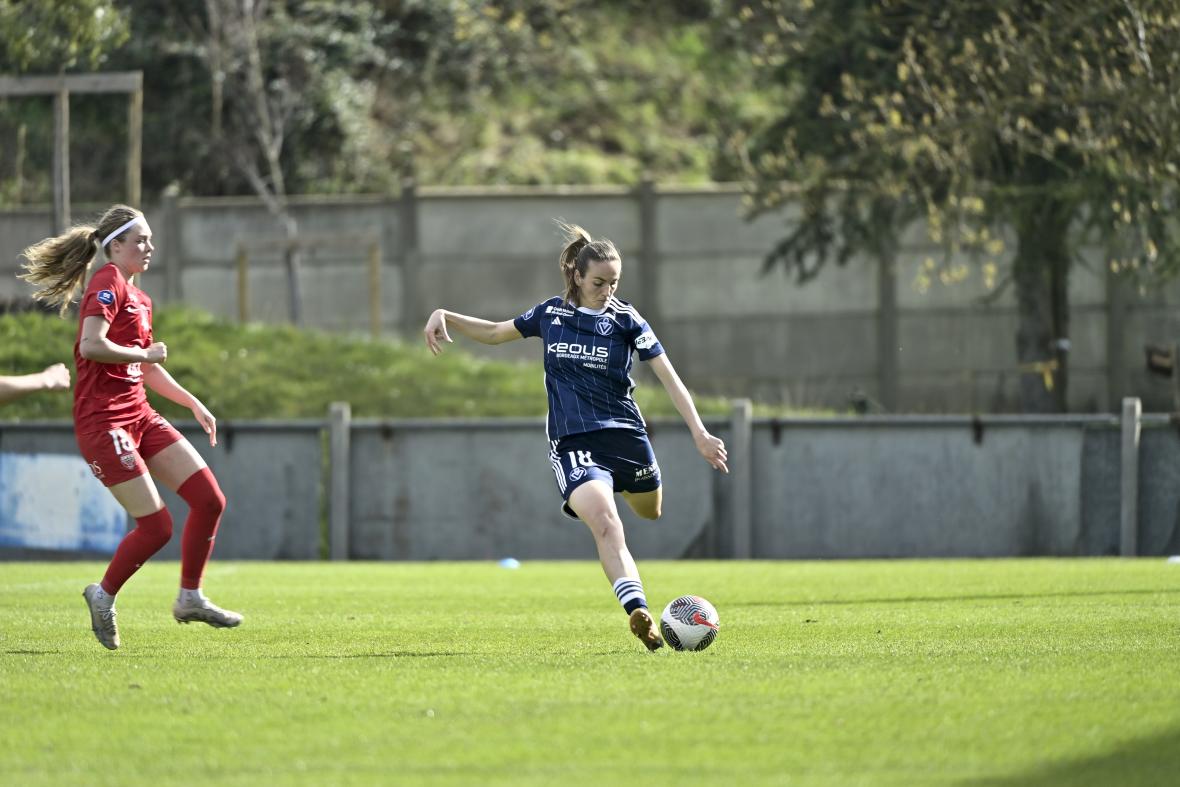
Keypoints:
pixel 710 447
pixel 159 380
pixel 482 331
pixel 95 346
pixel 52 378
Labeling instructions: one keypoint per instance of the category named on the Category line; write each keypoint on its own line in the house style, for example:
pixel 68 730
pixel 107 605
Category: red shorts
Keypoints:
pixel 119 455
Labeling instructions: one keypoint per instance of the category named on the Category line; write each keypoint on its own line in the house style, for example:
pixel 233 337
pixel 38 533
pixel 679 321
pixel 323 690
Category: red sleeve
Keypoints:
pixel 104 295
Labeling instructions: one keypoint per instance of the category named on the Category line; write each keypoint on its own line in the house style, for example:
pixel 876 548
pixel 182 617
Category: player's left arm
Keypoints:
pixel 710 447
pixel 157 378
pixel 53 378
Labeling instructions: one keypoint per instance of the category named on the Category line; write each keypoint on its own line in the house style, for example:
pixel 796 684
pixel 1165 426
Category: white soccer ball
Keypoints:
pixel 689 623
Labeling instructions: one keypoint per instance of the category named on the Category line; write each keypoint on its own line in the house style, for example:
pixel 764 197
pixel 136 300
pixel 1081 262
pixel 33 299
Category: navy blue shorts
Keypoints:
pixel 620 457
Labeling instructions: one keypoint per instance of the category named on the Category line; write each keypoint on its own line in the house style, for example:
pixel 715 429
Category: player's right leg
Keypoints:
pixel 594 503
pixel 153 528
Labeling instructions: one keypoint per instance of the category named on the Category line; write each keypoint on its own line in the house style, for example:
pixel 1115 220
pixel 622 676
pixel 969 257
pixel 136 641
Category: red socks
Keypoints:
pixel 206 502
pixel 150 534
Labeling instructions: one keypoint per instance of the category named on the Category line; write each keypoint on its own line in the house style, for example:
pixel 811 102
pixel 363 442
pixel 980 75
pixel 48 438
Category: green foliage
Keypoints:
pixel 457 93
pixel 972 113
pixel 260 371
pixel 1022 672
pixel 58 35
pixel 629 91
pixel 980 117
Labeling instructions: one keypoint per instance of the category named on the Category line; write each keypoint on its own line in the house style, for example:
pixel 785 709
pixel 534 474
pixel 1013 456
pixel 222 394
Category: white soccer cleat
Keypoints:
pixel 205 611
pixel 102 619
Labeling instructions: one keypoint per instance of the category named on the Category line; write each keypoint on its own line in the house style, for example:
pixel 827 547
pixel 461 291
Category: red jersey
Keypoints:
pixel 111 395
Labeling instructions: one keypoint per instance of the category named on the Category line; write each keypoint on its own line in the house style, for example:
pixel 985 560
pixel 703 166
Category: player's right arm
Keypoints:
pixel 94 345
pixel 482 331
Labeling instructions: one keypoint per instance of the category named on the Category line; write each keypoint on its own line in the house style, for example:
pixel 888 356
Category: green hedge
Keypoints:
pixel 276 371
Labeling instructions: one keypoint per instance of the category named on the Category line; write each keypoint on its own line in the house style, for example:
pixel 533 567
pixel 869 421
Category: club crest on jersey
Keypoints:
pixel 577 473
pixel 604 326
pixel 128 461
pixel 106 297
pixel 529 314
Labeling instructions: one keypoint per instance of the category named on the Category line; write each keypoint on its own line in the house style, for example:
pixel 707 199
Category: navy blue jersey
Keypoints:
pixel 588 358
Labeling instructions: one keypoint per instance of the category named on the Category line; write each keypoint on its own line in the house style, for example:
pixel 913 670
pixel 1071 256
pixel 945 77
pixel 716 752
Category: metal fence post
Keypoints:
pixel 1129 478
pixel 741 474
pixel 339 426
pixel 649 249
pixel 409 256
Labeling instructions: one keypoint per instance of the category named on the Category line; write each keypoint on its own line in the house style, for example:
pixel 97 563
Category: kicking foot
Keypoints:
pixel 102 618
pixel 205 611
pixel 643 627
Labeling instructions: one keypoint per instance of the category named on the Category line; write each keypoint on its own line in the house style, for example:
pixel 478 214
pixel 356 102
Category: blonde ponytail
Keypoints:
pixel 58 265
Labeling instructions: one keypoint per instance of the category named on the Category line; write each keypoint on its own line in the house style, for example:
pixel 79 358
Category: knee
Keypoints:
pixel 157 528
pixel 202 494
pixel 213 503
pixel 606 526
pixel 162 534
pixel 655 512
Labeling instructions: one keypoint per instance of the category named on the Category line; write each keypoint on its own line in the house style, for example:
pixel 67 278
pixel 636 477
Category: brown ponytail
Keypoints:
pixel 58 265
pixel 577 255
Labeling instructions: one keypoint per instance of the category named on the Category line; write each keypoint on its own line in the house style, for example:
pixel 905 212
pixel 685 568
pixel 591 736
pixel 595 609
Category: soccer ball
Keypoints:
pixel 689 623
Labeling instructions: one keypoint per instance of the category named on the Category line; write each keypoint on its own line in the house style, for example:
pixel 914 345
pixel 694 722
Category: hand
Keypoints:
pixel 713 450
pixel 206 420
pixel 157 352
pixel 56 377
pixel 435 330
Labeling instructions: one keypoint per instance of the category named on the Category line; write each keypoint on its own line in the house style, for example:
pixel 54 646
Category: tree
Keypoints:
pixel 57 35
pixel 1046 117
pixel 45 38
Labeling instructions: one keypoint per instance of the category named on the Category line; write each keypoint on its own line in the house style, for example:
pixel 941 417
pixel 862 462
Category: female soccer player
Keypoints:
pixel 598 440
pixel 120 435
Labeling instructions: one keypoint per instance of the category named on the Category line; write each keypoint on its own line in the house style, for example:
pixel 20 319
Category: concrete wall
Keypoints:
pixel 438 490
pixel 692 265
pixel 919 486
pixel 271 474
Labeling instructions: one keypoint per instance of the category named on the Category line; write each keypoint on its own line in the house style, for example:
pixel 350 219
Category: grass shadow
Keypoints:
pixel 1147 761
pixel 938 599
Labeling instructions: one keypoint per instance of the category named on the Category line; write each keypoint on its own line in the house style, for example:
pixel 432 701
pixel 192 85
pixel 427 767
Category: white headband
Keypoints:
pixel 120 231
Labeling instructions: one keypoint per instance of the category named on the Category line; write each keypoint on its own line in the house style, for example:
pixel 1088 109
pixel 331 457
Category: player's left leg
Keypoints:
pixel 648 505
pixel 180 468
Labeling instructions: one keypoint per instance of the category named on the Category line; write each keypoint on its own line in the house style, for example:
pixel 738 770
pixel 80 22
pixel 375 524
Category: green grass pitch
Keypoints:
pixel 825 673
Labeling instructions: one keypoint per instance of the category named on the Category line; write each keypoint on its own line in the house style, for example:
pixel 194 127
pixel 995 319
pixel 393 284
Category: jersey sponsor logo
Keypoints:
pixel 574 348
pixel 604 325
pixel 645 340
pixel 648 471
pixel 106 297
pixel 560 311
pixel 529 314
